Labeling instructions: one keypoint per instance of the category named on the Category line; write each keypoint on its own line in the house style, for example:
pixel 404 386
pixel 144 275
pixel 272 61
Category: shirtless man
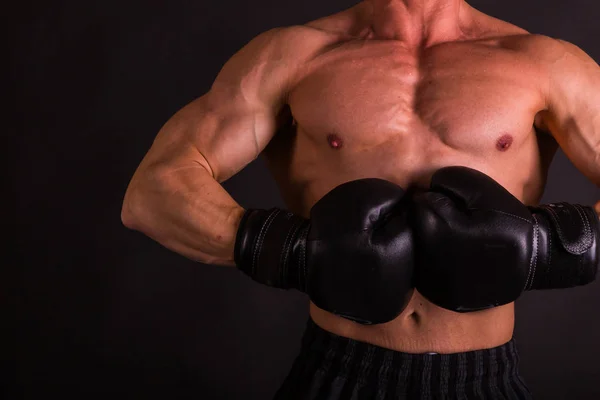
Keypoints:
pixel 390 89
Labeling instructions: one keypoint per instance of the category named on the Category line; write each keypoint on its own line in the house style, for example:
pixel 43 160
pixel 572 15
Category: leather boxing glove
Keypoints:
pixel 477 246
pixel 568 252
pixel 353 257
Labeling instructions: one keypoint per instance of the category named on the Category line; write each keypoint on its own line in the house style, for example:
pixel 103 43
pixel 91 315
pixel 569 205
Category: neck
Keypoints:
pixel 417 22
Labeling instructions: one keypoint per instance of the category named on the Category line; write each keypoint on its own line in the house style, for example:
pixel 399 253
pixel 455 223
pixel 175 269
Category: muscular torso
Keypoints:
pixel 372 107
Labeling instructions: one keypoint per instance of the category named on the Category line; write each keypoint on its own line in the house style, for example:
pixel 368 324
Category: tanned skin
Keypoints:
pixel 393 89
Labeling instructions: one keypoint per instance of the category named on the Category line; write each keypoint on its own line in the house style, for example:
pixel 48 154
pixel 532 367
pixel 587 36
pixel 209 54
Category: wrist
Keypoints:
pixel 234 219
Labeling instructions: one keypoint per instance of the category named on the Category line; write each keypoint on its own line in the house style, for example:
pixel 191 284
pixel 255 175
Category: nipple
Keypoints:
pixel 504 142
pixel 335 142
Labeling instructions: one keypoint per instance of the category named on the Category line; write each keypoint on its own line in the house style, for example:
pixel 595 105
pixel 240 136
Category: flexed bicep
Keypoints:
pixel 227 128
pixel 174 196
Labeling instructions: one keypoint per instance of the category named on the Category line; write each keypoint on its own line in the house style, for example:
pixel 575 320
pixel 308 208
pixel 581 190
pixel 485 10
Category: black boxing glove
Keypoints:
pixel 568 251
pixel 477 246
pixel 354 257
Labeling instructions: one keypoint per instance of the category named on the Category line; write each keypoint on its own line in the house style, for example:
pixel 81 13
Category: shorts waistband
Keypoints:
pixel 334 367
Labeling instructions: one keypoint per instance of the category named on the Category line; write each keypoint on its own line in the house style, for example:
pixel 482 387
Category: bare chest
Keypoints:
pixel 373 108
pixel 463 93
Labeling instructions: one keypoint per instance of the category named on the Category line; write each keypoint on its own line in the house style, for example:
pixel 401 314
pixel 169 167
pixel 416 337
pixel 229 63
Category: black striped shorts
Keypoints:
pixel 334 367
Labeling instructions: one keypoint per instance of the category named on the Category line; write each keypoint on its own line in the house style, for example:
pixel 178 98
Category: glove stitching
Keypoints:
pixel 284 255
pixel 286 248
pixel 261 238
pixel 581 271
pixel 303 258
pixel 556 222
pixel 550 249
pixel 537 245
pixel 588 231
pixel 568 245
pixel 508 214
pixel 586 221
pixel 533 262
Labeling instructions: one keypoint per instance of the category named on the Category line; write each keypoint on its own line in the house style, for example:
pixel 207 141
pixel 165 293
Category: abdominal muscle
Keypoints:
pixel 424 327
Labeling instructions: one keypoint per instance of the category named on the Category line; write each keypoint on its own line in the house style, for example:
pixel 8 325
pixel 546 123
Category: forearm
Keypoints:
pixel 186 210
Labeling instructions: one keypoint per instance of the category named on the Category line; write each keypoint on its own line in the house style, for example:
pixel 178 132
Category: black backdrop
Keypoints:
pixel 94 310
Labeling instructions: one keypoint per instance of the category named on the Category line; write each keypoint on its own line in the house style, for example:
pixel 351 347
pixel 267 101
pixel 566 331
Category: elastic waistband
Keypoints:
pixel 334 367
pixel 472 364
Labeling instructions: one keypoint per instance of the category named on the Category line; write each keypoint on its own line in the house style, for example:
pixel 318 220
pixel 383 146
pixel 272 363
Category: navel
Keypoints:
pixel 504 142
pixel 415 317
pixel 335 142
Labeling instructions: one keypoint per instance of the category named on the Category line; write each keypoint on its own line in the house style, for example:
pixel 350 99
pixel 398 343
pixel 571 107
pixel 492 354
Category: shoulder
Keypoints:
pixel 296 43
pixel 562 65
pixel 571 77
pixel 269 65
pixel 281 48
pixel 282 40
pixel 309 39
pixel 550 51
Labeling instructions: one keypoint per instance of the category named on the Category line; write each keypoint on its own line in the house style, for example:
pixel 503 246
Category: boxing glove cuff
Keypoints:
pixel 270 248
pixel 568 253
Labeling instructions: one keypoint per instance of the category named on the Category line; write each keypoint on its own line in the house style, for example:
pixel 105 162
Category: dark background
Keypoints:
pixel 95 310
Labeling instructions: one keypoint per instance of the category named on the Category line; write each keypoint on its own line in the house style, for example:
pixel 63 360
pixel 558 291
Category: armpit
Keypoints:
pixel 540 122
